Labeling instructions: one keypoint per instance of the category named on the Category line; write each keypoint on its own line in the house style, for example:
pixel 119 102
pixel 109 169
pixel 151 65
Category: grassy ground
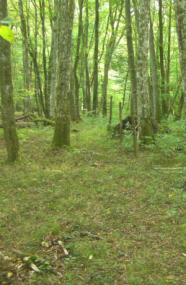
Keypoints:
pixel 122 221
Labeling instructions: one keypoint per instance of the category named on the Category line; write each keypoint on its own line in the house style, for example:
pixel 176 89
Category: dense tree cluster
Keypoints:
pixel 89 59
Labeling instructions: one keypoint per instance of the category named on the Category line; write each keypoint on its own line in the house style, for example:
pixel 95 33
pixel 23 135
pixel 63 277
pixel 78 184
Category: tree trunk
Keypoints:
pixel 62 123
pixel 26 67
pixel 95 97
pixel 76 80
pixel 144 115
pixel 8 119
pixel 180 8
pixel 163 95
pixel 54 53
pixel 87 99
pixel 132 71
pixel 46 95
pixel 156 105
pixel 168 56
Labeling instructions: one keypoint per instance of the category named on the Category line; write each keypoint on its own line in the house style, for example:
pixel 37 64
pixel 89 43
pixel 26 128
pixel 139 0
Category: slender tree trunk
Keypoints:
pixel 87 100
pixel 180 8
pixel 156 105
pixel 168 55
pixel 7 104
pixel 62 123
pixel 95 97
pixel 34 55
pixel 144 114
pixel 46 96
pixel 26 67
pixel 132 71
pixel 71 96
pixel 163 95
pixel 76 80
pixel 54 53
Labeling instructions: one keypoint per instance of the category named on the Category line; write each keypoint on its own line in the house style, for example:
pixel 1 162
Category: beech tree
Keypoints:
pixel 144 115
pixel 7 103
pixel 180 8
pixel 132 70
pixel 62 122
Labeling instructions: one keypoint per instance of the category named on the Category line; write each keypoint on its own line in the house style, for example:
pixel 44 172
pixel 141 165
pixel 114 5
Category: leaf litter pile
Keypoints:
pixel 90 214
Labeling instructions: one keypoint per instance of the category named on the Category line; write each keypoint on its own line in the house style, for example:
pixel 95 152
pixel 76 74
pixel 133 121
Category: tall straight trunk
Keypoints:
pixel 7 104
pixel 156 104
pixel 132 71
pixel 136 13
pixel 88 93
pixel 26 67
pixel 54 52
pixel 71 96
pixel 34 55
pixel 163 95
pixel 62 122
pixel 180 8
pixel 76 80
pixel 46 96
pixel 95 97
pixel 144 114
pixel 168 55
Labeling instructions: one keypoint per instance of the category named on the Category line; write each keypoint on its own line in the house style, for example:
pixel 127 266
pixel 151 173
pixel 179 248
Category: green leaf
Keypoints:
pixel 6 33
pixel 7 20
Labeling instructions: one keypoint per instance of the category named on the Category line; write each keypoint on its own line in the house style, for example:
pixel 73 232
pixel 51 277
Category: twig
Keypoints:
pixel 90 235
pixel 63 248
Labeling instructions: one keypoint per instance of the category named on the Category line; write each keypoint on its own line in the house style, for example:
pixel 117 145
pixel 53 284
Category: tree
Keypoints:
pixel 25 58
pixel 180 8
pixel 62 122
pixel 76 80
pixel 87 100
pixel 53 58
pixel 132 70
pixel 155 104
pixel 96 47
pixel 144 116
pixel 164 101
pixel 7 103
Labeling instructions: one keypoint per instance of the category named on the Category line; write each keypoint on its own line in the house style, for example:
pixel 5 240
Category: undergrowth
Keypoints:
pixel 121 220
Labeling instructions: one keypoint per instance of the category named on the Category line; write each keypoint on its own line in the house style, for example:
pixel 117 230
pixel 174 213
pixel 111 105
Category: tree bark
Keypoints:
pixel 76 80
pixel 95 97
pixel 54 54
pixel 46 95
pixel 180 8
pixel 62 123
pixel 132 71
pixel 8 119
pixel 26 67
pixel 156 105
pixel 144 115
pixel 87 100
pixel 163 95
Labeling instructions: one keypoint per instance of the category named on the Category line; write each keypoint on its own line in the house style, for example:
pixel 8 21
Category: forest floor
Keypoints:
pixel 91 213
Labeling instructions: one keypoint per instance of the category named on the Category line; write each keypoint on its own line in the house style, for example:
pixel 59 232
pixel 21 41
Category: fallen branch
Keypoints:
pixel 28 260
pixel 63 248
pixel 90 235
